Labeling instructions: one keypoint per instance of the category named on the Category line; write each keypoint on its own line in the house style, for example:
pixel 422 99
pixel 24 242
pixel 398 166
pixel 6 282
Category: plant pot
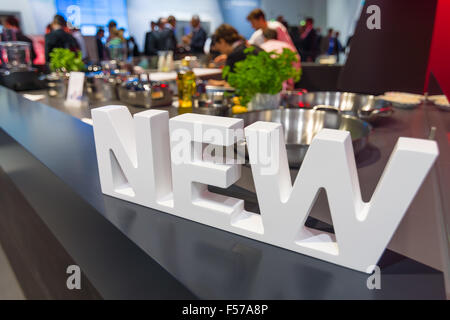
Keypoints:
pixel 57 84
pixel 264 101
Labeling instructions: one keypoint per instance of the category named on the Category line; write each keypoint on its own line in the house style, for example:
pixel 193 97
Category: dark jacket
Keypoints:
pixel 167 40
pixel 101 50
pixel 308 46
pixel 198 40
pixel 151 43
pixel 59 39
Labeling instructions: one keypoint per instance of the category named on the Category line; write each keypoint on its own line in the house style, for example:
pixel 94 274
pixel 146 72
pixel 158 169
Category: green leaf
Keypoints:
pixel 65 60
pixel 262 73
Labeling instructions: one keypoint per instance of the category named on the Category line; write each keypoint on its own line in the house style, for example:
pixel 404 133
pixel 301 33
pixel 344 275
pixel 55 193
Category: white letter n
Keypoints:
pixel 133 155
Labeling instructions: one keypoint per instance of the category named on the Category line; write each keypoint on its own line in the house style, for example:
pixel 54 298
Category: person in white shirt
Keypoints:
pixel 258 20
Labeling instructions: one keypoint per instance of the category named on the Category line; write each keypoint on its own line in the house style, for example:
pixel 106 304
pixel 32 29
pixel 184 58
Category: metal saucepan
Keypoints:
pixel 140 91
pixel 215 100
pixel 215 96
pixel 100 87
pixel 366 107
pixel 301 125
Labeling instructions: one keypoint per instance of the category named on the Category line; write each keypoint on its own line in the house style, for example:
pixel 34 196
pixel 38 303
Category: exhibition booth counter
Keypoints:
pixel 127 251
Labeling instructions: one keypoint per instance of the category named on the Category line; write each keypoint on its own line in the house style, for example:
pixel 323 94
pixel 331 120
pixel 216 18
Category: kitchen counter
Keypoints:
pixel 128 251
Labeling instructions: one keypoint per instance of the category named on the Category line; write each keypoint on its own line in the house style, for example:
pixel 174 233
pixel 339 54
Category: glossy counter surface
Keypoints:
pixel 50 157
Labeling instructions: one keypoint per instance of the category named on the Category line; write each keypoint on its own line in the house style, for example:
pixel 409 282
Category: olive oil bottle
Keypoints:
pixel 186 85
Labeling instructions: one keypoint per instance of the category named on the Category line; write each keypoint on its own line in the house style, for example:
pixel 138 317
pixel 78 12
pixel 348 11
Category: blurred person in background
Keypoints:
pixel 76 33
pixel 335 48
pixel 112 27
pixel 101 50
pixel 319 38
pixel 197 38
pixel 133 49
pixel 308 44
pixel 294 33
pixel 124 40
pixel 325 42
pixel 231 44
pixel 213 53
pixel 151 40
pixel 170 38
pixel 116 46
pixel 59 38
pixel 272 44
pixel 12 32
pixel 257 18
pixel 166 35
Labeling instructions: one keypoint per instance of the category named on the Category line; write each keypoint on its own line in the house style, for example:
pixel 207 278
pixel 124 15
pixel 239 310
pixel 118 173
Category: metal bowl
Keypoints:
pixel 301 125
pixel 145 94
pixel 215 96
pixel 213 100
pixel 101 88
pixel 366 107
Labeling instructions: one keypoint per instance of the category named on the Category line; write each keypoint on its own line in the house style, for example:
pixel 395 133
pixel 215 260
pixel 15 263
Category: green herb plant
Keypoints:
pixel 65 60
pixel 262 73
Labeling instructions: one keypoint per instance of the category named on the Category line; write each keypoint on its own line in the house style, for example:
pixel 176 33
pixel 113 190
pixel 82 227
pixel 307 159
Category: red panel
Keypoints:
pixel 439 62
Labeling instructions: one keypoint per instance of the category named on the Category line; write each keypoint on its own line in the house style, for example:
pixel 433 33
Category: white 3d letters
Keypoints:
pixel 160 163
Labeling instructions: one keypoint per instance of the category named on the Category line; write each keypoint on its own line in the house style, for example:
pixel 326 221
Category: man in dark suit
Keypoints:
pixel 151 40
pixel 101 50
pixel 170 39
pixel 198 37
pixel 166 35
pixel 59 38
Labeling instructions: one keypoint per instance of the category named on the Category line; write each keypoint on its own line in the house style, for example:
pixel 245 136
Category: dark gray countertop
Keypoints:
pixel 50 157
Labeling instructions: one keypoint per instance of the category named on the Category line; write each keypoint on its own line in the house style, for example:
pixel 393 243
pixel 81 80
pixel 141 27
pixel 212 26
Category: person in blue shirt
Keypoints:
pixel 198 36
pixel 335 47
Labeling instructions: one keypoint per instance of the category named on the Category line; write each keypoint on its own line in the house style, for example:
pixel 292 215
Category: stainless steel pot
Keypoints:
pixel 213 100
pixel 215 96
pixel 145 94
pixel 101 88
pixel 301 125
pixel 366 107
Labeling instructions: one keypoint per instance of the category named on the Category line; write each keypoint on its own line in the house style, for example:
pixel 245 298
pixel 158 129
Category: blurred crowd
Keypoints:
pixel 224 46
pixel 311 43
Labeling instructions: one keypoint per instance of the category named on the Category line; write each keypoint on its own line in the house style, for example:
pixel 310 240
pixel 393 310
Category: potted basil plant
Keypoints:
pixel 258 79
pixel 62 62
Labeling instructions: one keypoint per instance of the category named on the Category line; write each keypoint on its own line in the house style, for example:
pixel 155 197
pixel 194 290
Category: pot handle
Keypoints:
pixel 321 107
pixel 385 111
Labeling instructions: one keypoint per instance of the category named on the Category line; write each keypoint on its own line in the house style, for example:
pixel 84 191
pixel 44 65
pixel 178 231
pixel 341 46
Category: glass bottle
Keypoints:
pixel 186 85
